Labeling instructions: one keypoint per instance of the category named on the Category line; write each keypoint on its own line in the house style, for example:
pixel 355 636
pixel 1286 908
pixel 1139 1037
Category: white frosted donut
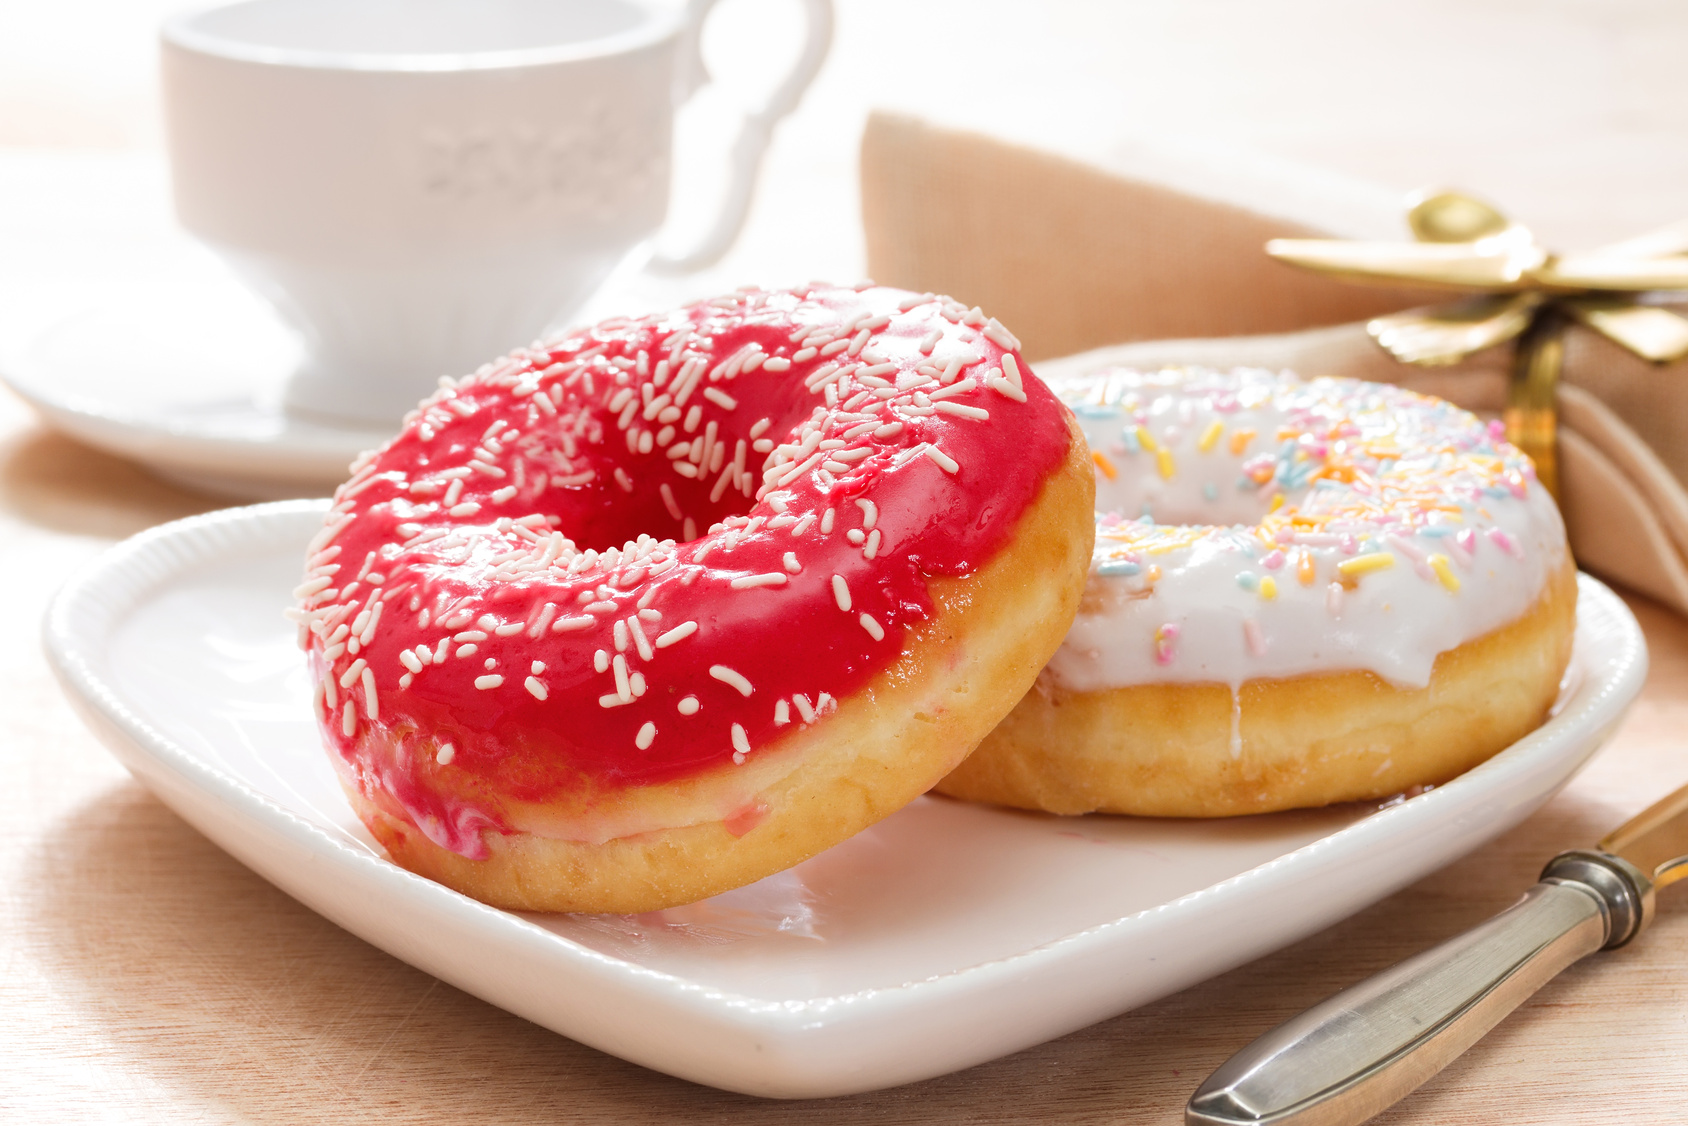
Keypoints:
pixel 1302 592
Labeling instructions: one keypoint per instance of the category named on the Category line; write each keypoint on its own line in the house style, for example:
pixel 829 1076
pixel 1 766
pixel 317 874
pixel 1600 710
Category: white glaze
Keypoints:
pixel 1393 622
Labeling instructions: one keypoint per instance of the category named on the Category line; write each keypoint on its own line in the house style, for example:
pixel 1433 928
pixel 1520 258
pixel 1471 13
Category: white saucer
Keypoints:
pixel 945 936
pixel 186 376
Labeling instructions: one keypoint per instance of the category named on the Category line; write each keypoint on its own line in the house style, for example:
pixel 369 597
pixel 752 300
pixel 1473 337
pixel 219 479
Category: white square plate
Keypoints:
pixel 947 935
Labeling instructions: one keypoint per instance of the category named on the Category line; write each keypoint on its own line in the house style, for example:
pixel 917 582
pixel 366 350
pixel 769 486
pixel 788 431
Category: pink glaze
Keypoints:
pixel 571 536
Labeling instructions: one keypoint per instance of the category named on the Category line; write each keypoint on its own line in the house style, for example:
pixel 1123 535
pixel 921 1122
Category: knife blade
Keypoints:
pixel 1369 1046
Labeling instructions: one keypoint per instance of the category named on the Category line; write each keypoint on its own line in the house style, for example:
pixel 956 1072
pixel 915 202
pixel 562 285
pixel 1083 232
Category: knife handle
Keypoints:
pixel 1369 1046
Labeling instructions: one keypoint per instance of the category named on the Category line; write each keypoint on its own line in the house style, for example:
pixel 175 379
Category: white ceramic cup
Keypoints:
pixel 421 185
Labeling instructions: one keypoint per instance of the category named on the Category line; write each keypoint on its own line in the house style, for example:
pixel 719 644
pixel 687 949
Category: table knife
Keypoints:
pixel 1371 1045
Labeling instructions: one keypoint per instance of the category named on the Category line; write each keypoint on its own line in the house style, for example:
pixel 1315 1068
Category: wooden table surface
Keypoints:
pixel 147 977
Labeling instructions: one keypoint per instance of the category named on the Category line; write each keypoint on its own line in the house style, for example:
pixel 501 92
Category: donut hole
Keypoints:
pixel 1215 496
pixel 636 493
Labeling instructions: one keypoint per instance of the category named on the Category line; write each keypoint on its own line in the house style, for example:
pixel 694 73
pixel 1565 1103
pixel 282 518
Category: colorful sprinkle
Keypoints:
pixel 1365 564
pixel 1304 568
pixel 1166 638
pixel 1444 573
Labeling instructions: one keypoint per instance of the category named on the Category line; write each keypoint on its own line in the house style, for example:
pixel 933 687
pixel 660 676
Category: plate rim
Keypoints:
pixel 96 599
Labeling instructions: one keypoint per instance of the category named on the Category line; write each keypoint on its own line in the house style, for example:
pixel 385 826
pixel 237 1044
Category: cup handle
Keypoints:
pixel 745 156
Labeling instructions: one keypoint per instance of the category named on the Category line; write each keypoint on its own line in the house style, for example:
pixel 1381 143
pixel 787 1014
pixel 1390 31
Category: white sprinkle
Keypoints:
pixel 639 641
pixel 445 754
pixel 537 667
pixel 841 592
pixel 562 625
pixel 760 428
pixel 1000 336
pixel 803 707
pixel 782 713
pixel 638 684
pixel 533 684
pixel 622 479
pixel 745 582
pixel 669 502
pixel 941 459
pixel 470 635
pixel 872 547
pixel 720 398
pixel 353 671
pixel 349 720
pixel 688 705
pixel 678 633
pixel 623 686
pixel 727 676
pixel 601 661
pixel 889 430
pixel 410 661
pixel 741 741
pixel 509 629
pixel 791 563
pixel 1011 368
pixel 612 700
pixel 620 636
pixel 777 364
pixel 962 410
pixel 649 615
pixel 1002 387
pixel 870 513
pixel 646 736
pixel 492 680
pixel 370 703
pixel 467 508
pixel 855 536
pixel 874 629
pixel 826 523
pixel 499 496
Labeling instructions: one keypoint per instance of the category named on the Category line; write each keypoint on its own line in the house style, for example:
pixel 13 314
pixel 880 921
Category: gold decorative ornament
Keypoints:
pixel 1519 291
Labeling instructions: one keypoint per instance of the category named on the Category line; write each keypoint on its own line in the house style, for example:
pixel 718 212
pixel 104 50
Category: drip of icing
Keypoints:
pixel 526 591
pixel 1355 525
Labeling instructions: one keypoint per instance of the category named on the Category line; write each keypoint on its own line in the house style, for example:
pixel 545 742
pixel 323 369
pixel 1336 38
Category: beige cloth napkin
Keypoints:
pixel 1099 268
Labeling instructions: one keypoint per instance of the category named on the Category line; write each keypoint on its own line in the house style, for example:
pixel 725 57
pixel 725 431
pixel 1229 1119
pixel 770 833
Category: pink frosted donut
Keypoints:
pixel 666 605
